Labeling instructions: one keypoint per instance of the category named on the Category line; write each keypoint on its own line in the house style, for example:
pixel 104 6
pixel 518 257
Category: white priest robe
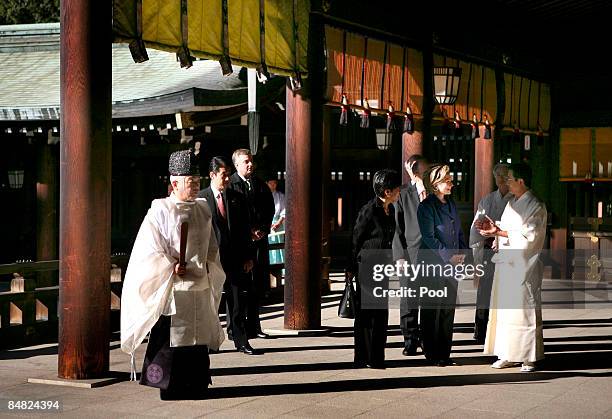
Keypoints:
pixel 151 288
pixel 514 332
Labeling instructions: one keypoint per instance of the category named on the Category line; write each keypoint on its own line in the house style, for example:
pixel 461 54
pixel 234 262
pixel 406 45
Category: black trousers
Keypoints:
pixel 409 315
pixel 437 321
pixel 257 288
pixel 370 331
pixel 236 298
pixel 483 301
pixel 180 370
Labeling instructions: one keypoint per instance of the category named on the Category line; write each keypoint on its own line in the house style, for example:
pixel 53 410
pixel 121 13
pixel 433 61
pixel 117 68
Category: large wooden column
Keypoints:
pixel 47 231
pixel 303 231
pixel 483 167
pixel 411 144
pixel 85 188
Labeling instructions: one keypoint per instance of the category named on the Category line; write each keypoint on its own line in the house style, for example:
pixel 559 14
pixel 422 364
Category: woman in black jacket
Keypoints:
pixel 441 244
pixel 374 229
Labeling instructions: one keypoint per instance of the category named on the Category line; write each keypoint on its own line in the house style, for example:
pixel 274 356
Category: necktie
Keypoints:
pixel 220 205
pixel 248 182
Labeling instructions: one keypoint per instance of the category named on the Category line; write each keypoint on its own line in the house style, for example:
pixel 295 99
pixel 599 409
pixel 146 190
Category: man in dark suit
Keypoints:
pixel 261 209
pixel 406 243
pixel 230 218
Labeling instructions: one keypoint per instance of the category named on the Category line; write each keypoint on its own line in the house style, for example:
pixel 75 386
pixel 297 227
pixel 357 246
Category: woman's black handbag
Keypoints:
pixel 347 303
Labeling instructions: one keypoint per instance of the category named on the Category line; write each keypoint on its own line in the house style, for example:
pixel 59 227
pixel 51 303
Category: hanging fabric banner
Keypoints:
pixel 162 26
pixel 363 67
pixel 527 104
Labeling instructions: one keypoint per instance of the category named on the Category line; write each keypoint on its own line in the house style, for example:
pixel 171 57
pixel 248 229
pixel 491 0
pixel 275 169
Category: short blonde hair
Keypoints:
pixel 434 175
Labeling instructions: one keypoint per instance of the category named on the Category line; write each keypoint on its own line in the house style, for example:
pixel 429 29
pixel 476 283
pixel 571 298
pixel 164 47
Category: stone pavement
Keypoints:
pixel 312 377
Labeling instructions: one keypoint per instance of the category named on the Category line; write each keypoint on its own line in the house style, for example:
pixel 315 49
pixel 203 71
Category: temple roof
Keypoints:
pixel 30 79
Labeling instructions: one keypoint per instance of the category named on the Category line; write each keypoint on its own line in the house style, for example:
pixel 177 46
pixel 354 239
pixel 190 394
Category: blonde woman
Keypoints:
pixel 441 241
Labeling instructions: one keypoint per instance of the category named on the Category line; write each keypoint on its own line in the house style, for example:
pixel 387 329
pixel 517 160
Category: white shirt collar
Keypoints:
pixel 243 178
pixel 175 199
pixel 419 186
pixel 215 191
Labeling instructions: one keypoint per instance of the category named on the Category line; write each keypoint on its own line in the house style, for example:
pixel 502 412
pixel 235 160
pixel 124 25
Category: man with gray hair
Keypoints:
pixel 491 205
pixel 406 243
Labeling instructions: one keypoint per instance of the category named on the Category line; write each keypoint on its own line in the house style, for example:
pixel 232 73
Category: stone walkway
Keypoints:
pixel 312 377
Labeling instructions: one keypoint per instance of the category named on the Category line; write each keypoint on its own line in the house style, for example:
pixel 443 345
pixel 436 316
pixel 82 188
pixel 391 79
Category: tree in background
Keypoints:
pixel 29 11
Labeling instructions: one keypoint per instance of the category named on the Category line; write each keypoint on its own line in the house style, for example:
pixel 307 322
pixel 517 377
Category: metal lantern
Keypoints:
pixel 446 84
pixel 16 178
pixel 383 139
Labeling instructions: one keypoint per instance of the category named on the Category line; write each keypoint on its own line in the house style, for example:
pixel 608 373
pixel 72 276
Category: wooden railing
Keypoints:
pixel 29 314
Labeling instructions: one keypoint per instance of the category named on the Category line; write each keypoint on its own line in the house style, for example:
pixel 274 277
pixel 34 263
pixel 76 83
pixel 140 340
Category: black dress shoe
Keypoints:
pixel 359 364
pixel 248 350
pixel 410 349
pixel 376 366
pixel 446 363
pixel 263 335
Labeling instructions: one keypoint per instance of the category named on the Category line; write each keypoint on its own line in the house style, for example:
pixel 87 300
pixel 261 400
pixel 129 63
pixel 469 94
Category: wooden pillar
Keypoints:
pixel 47 188
pixel 85 188
pixel 303 232
pixel 411 144
pixel 483 168
pixel 303 190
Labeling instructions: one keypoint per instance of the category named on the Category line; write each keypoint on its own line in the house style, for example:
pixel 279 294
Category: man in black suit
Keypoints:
pixel 230 217
pixel 406 243
pixel 261 209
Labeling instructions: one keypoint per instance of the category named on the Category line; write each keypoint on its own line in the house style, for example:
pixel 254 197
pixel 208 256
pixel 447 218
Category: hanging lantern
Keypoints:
pixel 390 118
pixel 487 133
pixel 365 116
pixel 344 111
pixel 446 84
pixel 383 139
pixel 408 121
pixel 474 125
pixel 16 178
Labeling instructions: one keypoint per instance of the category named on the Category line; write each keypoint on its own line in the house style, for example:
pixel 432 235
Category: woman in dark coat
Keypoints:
pixel 374 230
pixel 441 241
